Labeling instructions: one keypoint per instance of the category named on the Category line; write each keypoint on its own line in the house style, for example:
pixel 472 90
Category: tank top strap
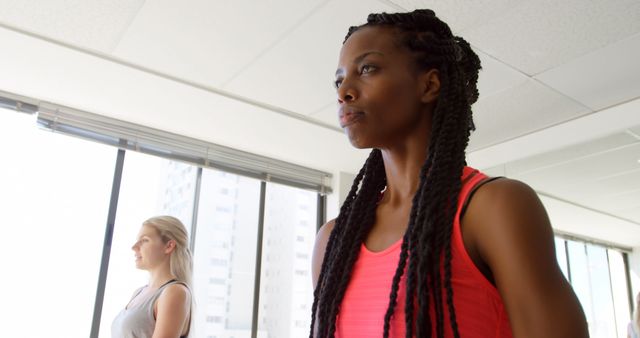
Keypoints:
pixel 461 256
pixel 470 177
pixel 472 180
pixel 158 292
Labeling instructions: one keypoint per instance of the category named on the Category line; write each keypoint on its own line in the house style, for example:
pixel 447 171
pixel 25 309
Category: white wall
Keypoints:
pixel 342 182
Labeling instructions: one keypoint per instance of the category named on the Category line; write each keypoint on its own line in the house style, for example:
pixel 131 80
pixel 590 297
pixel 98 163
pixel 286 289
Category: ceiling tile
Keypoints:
pixel 209 41
pixel 611 194
pixel 298 73
pixel 632 215
pixel 496 76
pixel 602 174
pixel 538 35
pixel 462 14
pixel 602 78
pixel 567 154
pixel 95 25
pixel 329 114
pixel 635 132
pixel 518 111
pixel 615 203
pixel 583 175
pixel 620 183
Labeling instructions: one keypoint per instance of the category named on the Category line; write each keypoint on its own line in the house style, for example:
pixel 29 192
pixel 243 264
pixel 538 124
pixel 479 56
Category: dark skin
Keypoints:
pixel 387 103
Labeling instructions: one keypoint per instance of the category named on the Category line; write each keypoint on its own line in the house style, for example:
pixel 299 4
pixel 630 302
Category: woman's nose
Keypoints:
pixel 346 92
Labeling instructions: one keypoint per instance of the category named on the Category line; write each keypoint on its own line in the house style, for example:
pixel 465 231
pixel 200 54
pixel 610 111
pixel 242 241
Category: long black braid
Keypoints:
pixel 425 253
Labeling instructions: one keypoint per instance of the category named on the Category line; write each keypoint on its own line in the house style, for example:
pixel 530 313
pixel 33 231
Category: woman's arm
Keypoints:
pixel 319 248
pixel 509 228
pixel 172 311
pixel 322 237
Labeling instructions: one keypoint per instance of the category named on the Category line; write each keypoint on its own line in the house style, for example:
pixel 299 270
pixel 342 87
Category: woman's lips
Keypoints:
pixel 350 118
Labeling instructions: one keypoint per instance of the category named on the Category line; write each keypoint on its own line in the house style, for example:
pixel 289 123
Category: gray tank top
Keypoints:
pixel 137 320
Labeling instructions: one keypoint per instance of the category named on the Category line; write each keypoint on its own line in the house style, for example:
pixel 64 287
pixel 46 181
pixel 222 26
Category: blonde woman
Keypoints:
pixel 162 308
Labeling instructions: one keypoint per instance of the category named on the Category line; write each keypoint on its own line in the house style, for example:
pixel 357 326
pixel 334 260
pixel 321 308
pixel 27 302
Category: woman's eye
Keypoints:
pixel 337 83
pixel 367 69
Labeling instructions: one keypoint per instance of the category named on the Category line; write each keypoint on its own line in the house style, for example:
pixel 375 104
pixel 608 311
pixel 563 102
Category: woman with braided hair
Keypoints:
pixel 411 254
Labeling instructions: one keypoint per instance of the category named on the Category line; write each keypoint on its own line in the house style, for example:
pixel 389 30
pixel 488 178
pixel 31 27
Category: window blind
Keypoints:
pixel 131 136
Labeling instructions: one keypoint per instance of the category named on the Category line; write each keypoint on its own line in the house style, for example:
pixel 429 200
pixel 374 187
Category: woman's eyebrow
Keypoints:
pixel 359 59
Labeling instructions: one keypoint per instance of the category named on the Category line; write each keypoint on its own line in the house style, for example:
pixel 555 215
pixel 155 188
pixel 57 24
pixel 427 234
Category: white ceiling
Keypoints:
pixel 236 72
pixel 544 60
pixel 602 174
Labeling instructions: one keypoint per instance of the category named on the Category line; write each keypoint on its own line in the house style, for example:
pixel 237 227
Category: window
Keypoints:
pixel 68 181
pixel 598 278
pixel 217 281
pixel 214 319
pixel 288 215
pixel 218 262
pixel 55 197
pixel 223 209
pixel 619 289
pixel 561 255
pixel 237 228
pixel 603 324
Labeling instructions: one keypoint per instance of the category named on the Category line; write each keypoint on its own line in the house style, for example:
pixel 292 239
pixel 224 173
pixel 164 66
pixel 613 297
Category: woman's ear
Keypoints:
pixel 430 85
pixel 170 246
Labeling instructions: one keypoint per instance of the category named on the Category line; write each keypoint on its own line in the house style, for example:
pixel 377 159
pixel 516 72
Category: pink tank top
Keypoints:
pixel 479 308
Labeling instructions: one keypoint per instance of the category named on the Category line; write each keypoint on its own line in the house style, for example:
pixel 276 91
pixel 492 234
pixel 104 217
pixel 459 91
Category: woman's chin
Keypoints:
pixel 358 141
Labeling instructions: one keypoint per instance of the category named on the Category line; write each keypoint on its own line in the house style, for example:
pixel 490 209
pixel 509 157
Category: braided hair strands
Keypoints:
pixel 344 210
pixel 425 254
pixel 351 226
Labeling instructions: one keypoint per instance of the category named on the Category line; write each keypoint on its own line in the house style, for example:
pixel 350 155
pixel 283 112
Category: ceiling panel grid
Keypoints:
pixel 97 25
pixel 209 42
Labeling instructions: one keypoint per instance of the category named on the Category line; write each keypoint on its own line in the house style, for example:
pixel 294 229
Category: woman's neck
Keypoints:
pixel 159 276
pixel 402 166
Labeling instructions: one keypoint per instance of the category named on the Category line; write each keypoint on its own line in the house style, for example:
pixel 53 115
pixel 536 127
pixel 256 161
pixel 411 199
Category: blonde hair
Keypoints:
pixel 180 263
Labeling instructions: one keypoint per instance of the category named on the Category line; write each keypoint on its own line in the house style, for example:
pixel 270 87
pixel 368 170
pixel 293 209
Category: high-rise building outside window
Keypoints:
pixel 225 252
pixel 286 293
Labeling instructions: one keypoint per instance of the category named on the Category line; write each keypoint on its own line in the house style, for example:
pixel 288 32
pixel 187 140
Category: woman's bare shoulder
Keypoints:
pixel 319 248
